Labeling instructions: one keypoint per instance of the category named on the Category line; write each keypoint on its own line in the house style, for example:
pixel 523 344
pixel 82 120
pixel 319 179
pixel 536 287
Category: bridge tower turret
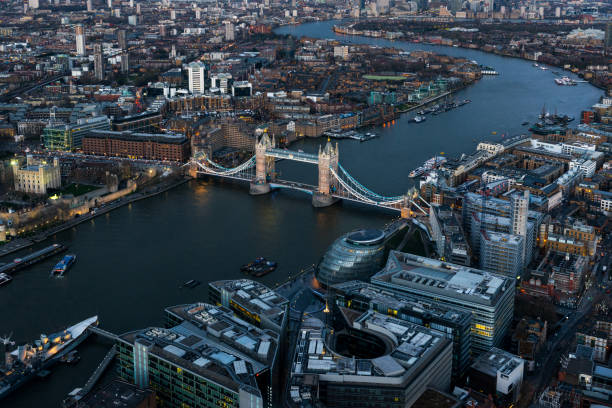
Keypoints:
pixel 328 185
pixel 264 166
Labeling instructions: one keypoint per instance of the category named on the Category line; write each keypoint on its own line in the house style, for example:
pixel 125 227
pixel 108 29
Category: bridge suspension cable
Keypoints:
pixel 380 200
pixel 219 170
pixel 360 190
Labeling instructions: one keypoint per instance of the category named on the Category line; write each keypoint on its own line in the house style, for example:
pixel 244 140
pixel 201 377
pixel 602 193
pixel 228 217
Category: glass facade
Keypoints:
pixel 354 256
pixel 67 137
pixel 174 385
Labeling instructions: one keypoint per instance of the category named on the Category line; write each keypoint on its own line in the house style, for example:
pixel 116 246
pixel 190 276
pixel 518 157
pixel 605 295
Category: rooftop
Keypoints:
pixel 213 343
pixel 172 138
pixel 412 348
pixel 496 360
pixel 254 297
pixel 443 278
pixel 116 394
pixel 400 301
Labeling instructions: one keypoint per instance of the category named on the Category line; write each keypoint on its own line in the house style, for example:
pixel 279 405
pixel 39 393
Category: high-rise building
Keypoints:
pixel 138 8
pixel 229 31
pixel 80 39
pixel 197 77
pixel 488 297
pixel 502 253
pixel 456 325
pixel 495 214
pixel 33 4
pixel 90 5
pixel 519 212
pixel 98 62
pixel 608 39
pixel 125 62
pixel 122 39
pixel 110 4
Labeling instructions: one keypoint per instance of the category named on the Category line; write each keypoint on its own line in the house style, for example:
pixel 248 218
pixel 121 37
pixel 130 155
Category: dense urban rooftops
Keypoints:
pixel 433 276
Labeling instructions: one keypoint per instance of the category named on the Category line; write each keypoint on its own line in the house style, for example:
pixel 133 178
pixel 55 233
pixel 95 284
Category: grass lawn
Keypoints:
pixel 384 78
pixel 78 189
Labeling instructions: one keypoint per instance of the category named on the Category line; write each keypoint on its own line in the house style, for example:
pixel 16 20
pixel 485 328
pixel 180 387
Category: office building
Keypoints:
pixel 98 62
pixel 62 136
pixel 447 233
pixel 89 6
pixel 225 355
pixel 495 214
pixel 221 82
pixel 33 4
pixel 499 374
pixel 197 77
pixel 253 302
pixel 80 40
pixel 519 214
pixel 125 62
pixel 185 368
pixel 488 297
pixel 37 175
pixel 502 253
pixel 122 39
pixel 242 88
pixel 455 325
pixel 377 360
pixel 608 37
pixel 229 31
pixel 148 121
pixel 354 256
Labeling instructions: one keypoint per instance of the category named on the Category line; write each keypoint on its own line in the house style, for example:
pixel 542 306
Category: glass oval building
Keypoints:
pixel 356 255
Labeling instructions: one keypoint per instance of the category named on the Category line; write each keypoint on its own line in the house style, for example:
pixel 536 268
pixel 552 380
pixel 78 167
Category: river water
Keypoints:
pixel 132 261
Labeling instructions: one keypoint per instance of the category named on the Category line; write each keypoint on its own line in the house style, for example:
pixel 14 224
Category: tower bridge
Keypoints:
pixel 334 182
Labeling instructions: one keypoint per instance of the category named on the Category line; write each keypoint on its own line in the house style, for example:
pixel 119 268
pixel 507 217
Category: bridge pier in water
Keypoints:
pixel 264 167
pixel 328 160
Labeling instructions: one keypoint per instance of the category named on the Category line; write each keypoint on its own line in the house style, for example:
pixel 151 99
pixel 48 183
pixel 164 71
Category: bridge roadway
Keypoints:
pixel 305 188
pixel 292 155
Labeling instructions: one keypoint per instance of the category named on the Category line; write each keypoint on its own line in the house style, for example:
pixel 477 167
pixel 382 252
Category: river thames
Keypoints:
pixel 132 261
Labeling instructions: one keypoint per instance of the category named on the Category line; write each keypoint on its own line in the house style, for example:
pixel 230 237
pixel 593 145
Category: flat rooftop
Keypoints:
pixel 413 347
pixel 432 276
pixel 400 301
pixel 254 297
pixel 171 138
pixel 116 394
pixel 213 343
pixel 496 360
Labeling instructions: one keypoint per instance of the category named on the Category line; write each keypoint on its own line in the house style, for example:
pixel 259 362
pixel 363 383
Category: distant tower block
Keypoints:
pixel 90 5
pixel 80 39
pixel 264 166
pixel 328 185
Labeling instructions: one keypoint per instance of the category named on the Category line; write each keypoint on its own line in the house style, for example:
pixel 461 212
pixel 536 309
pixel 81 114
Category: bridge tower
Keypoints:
pixel 328 159
pixel 264 166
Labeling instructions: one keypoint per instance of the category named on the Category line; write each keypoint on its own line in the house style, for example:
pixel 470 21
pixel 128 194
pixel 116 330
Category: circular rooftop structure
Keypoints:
pixel 354 256
pixel 366 237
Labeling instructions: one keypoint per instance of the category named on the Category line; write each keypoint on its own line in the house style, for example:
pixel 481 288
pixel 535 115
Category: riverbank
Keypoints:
pixel 23 243
pixel 440 40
